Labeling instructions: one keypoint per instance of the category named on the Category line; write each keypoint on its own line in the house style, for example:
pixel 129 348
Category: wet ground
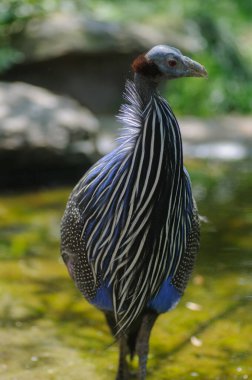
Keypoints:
pixel 48 332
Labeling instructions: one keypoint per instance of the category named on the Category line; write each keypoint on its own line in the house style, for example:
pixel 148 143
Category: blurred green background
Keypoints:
pixel 82 50
pixel 222 28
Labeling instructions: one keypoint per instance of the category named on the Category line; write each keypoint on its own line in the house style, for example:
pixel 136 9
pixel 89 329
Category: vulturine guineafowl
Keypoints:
pixel 130 232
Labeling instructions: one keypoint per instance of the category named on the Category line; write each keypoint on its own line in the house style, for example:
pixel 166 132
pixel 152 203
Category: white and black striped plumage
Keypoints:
pixel 130 232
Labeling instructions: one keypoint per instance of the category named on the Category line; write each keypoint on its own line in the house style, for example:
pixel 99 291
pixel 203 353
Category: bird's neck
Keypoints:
pixel 146 87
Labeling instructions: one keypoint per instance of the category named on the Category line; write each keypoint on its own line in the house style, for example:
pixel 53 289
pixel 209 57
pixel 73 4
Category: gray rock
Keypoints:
pixel 61 33
pixel 69 53
pixel 44 138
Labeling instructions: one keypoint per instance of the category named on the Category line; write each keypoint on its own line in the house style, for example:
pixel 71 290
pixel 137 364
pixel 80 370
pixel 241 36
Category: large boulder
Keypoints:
pixel 58 34
pixel 44 138
pixel 87 59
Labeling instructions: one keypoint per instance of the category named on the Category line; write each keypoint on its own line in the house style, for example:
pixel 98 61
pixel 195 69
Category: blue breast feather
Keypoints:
pixel 166 298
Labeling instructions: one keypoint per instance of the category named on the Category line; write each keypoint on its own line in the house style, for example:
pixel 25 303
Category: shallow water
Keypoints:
pixel 47 331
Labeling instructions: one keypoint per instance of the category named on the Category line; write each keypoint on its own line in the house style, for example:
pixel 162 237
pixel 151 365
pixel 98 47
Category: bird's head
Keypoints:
pixel 165 62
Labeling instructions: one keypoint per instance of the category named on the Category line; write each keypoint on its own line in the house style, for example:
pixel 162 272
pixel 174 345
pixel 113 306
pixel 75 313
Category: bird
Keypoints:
pixel 130 233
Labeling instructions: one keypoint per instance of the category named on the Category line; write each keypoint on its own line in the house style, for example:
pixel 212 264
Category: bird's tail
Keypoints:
pixel 131 336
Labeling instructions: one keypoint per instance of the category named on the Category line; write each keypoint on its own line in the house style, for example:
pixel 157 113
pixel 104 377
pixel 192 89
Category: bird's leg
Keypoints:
pixel 142 344
pixel 123 372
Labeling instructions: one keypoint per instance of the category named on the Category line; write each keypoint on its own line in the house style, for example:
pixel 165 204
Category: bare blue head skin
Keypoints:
pixel 173 64
pixel 160 63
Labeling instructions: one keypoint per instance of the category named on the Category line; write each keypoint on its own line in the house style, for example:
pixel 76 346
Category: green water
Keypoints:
pixel 47 331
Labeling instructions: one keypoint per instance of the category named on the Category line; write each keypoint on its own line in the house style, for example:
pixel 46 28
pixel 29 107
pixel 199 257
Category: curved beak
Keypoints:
pixel 194 69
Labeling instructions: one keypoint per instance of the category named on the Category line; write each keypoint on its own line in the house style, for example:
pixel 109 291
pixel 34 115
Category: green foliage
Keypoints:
pixel 230 75
pixel 14 15
pixel 226 89
pixel 8 57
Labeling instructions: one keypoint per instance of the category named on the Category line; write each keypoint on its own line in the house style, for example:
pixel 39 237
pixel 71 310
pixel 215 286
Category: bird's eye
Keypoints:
pixel 172 62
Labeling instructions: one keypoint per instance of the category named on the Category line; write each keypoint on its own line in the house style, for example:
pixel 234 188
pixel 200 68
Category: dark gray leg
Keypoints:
pixel 123 371
pixel 142 344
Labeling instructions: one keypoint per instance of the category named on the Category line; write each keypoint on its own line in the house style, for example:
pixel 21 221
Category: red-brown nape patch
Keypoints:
pixel 142 66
